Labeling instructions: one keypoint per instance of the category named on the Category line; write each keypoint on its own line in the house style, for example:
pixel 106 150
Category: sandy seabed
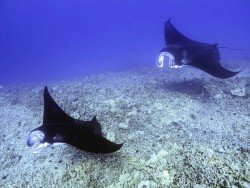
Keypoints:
pixel 180 128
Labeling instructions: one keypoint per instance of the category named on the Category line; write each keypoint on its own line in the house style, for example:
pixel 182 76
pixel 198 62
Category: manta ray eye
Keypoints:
pixel 165 56
pixel 35 138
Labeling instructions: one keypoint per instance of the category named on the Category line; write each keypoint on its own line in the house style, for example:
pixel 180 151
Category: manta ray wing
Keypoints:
pixel 207 58
pixel 52 112
pixel 173 36
pixel 94 143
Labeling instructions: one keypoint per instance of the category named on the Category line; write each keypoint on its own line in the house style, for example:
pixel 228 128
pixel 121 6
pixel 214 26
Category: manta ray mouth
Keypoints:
pixel 34 141
pixel 40 147
pixel 166 56
pixel 35 138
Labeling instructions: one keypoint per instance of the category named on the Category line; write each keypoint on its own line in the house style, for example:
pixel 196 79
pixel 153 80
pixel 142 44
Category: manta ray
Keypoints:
pixel 182 51
pixel 60 128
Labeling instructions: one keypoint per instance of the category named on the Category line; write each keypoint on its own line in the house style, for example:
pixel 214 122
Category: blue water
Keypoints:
pixel 47 40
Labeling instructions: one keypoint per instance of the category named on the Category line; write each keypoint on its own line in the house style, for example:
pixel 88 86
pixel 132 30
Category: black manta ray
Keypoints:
pixel 182 51
pixel 59 128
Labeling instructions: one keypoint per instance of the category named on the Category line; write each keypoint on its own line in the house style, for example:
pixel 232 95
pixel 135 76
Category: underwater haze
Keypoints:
pixel 48 40
pixel 125 93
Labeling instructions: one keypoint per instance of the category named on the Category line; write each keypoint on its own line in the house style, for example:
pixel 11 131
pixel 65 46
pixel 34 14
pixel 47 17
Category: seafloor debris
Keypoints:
pixel 239 91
